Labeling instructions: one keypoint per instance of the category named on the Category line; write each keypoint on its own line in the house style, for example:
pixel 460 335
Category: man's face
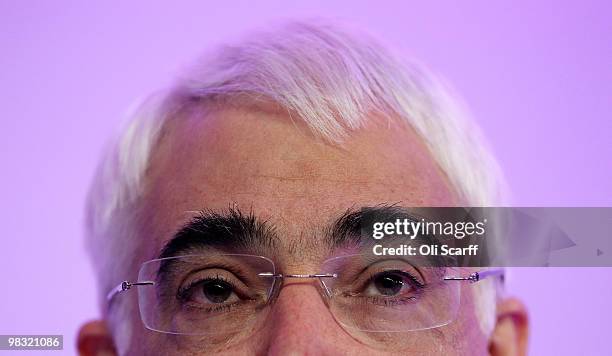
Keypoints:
pixel 263 163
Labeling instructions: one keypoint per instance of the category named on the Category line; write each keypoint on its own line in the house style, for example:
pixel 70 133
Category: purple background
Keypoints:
pixel 536 76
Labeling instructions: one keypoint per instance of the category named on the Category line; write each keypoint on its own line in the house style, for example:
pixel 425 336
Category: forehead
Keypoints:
pixel 268 163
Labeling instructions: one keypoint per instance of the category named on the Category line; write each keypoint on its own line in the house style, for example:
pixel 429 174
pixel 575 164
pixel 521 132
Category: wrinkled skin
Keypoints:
pixel 261 161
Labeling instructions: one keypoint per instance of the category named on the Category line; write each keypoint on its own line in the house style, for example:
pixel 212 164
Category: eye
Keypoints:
pixel 209 291
pixel 390 283
pixel 217 291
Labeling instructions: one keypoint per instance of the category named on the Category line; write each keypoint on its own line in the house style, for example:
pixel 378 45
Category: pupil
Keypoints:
pixel 217 291
pixel 388 284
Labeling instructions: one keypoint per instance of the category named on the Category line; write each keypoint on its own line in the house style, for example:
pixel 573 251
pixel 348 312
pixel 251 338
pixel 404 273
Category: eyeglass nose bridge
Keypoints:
pixel 319 276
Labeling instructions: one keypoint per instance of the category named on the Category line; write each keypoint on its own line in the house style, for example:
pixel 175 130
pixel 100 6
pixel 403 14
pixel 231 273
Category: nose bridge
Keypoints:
pixel 296 293
pixel 300 321
pixel 317 280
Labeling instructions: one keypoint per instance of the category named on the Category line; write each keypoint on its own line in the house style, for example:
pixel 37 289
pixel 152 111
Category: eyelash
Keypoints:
pixel 225 308
pixel 390 302
pixel 184 293
pixel 419 288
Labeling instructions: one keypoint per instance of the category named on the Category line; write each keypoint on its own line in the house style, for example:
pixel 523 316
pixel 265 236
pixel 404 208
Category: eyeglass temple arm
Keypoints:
pixel 478 276
pixel 126 285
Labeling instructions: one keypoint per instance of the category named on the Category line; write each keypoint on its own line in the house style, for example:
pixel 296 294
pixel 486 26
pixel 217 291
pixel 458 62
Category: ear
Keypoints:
pixel 509 337
pixel 95 339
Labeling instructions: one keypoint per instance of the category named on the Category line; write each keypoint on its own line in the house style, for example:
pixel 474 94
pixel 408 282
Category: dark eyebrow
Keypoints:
pixel 230 230
pixel 354 229
pixel 351 228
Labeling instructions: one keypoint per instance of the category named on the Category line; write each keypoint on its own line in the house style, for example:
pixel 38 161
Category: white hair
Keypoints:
pixel 329 78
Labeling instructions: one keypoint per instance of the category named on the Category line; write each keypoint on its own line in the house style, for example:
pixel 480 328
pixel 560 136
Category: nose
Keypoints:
pixel 301 324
